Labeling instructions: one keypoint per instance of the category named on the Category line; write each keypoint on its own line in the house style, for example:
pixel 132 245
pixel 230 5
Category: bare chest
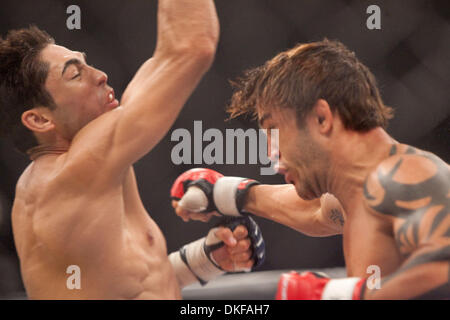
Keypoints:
pixel 139 227
pixel 112 227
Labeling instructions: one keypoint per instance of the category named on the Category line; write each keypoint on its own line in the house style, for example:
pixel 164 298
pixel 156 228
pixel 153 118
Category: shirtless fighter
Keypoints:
pixel 77 203
pixel 390 201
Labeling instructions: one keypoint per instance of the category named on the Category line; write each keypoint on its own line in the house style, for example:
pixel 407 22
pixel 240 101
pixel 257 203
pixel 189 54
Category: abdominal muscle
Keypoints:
pixel 135 267
pixel 133 272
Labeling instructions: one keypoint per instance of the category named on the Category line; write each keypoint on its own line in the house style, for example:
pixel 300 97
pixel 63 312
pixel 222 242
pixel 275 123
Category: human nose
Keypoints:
pixel 100 78
pixel 273 149
pixel 280 167
pixel 274 154
pixel 278 164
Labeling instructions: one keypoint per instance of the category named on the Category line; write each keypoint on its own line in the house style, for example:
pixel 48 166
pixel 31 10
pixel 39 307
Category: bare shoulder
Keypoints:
pixel 38 177
pixel 24 179
pixel 89 154
pixel 96 135
pixel 407 180
pixel 69 211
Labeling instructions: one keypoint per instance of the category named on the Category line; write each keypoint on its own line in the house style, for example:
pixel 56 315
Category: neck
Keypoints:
pixel 353 158
pixel 44 149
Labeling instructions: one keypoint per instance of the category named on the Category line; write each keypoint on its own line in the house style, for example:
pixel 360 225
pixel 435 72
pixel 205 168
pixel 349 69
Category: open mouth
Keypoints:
pixel 111 101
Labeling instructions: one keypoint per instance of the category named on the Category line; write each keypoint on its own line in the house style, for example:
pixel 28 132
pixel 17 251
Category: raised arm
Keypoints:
pixel 414 189
pixel 187 39
pixel 187 31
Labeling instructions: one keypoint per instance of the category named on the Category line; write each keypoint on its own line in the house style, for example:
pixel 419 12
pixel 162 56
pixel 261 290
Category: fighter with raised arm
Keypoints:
pixel 390 201
pixel 77 203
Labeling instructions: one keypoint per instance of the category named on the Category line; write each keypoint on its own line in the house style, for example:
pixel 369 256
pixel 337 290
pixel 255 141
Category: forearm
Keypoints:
pixel 186 24
pixel 187 38
pixel 183 274
pixel 194 262
pixel 187 31
pixel 427 281
pixel 281 203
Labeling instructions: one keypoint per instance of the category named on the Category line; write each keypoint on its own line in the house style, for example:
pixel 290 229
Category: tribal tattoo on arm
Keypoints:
pixel 413 187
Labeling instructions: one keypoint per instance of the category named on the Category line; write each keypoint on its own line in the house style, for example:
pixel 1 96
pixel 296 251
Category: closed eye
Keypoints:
pixel 80 70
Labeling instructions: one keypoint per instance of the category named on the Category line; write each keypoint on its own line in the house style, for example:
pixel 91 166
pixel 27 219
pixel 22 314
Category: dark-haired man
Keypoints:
pixel 77 207
pixel 390 201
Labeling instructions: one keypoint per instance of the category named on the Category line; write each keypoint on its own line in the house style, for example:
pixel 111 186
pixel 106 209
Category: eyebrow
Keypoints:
pixel 73 61
pixel 69 63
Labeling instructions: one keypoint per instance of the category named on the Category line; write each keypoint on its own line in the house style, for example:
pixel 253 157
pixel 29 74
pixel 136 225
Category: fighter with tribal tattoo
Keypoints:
pixel 418 205
pixel 345 175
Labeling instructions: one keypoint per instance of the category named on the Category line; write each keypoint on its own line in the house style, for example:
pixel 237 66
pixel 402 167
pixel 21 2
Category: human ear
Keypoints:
pixel 323 117
pixel 37 121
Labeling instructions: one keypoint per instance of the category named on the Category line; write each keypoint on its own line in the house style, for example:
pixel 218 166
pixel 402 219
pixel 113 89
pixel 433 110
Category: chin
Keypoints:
pixel 300 192
pixel 305 194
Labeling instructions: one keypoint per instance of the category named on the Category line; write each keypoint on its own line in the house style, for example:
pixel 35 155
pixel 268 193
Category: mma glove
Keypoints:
pixel 206 190
pixel 194 262
pixel 315 286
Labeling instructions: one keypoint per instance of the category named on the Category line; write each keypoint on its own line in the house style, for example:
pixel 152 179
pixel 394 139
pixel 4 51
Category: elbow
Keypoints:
pixel 206 53
pixel 200 52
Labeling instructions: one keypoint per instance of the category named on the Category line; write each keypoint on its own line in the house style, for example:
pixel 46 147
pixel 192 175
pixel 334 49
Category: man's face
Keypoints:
pixel 302 161
pixel 80 91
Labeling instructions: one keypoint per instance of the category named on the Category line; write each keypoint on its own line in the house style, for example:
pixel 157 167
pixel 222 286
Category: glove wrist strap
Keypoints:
pixel 341 289
pixel 225 195
pixel 195 258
